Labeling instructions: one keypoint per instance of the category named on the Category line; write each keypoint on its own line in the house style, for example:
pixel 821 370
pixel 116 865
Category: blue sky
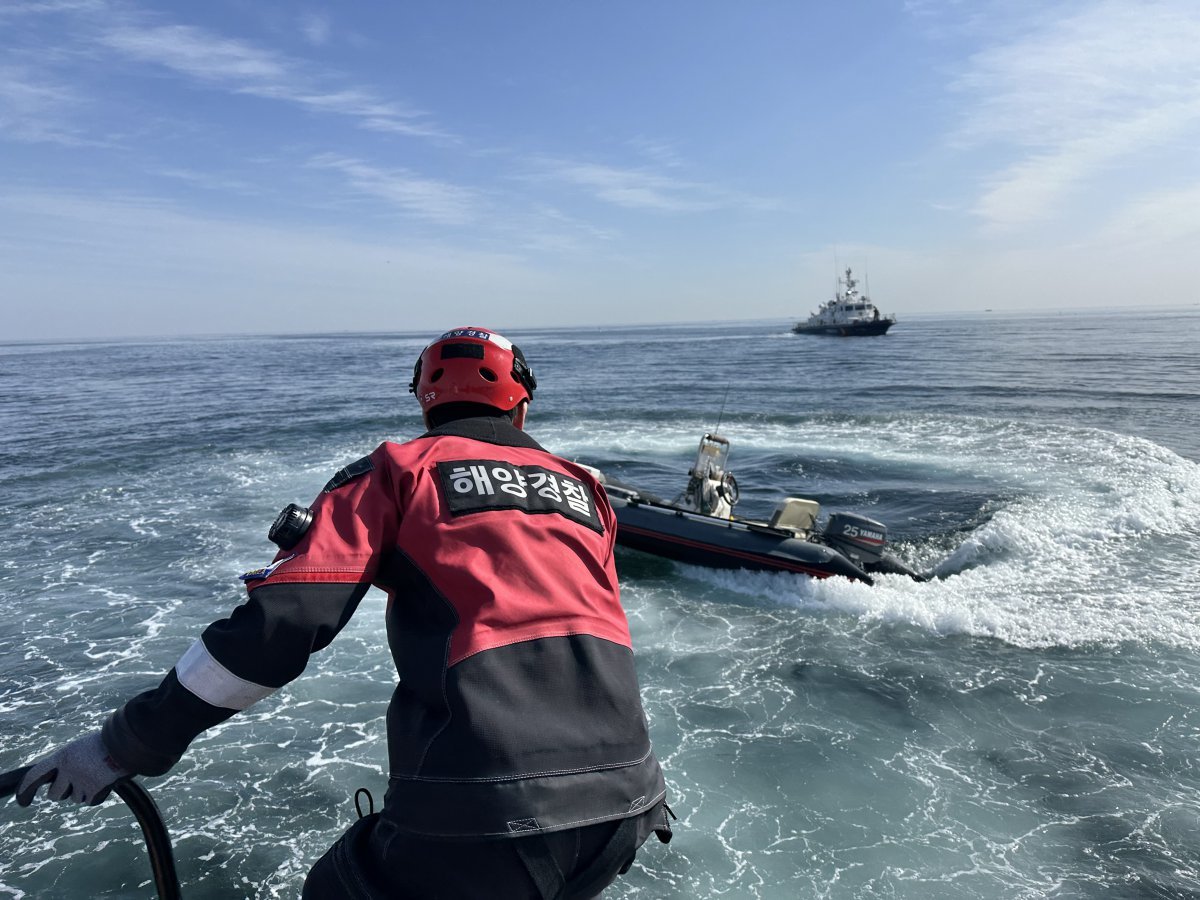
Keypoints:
pixel 254 166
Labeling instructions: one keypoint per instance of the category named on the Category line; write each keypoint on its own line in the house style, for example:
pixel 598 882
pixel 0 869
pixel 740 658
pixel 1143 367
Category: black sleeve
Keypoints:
pixel 264 644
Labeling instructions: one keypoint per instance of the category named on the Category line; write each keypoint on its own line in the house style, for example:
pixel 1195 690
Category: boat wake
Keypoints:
pixel 1089 540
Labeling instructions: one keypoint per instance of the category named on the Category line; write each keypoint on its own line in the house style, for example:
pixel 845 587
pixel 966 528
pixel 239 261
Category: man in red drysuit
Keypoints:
pixel 520 764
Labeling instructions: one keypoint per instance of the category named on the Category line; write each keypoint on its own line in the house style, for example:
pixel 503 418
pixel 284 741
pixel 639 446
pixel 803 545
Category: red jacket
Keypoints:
pixel 517 705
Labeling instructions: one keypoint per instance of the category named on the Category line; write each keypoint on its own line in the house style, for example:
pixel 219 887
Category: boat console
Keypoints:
pixel 711 490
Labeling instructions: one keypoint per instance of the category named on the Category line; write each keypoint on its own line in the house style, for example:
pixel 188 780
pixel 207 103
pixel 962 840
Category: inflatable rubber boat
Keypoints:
pixel 699 527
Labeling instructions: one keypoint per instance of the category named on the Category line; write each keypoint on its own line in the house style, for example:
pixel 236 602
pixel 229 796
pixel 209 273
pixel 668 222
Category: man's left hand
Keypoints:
pixel 80 772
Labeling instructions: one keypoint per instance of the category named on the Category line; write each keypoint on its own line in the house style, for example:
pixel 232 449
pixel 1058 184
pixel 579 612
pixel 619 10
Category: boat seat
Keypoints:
pixel 796 514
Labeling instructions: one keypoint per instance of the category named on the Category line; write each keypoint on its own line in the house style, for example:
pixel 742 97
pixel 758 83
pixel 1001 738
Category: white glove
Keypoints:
pixel 82 772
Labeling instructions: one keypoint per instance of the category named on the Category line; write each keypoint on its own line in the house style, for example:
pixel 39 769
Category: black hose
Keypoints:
pixel 158 841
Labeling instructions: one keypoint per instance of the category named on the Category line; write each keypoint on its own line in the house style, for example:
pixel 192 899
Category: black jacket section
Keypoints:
pixel 269 638
pixel 349 473
pixel 266 640
pixel 487 429
pixel 419 637
pixel 553 725
pixel 504 713
pixel 567 800
pixel 149 733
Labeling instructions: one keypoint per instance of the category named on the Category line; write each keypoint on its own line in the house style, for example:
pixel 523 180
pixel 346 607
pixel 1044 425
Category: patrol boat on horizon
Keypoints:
pixel 848 314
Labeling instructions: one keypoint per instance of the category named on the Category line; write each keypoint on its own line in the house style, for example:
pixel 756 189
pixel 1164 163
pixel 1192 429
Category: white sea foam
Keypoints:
pixel 1097 546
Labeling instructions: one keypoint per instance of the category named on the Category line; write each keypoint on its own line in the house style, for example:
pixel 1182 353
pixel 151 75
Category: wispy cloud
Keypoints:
pixel 16 8
pixel 437 201
pixel 662 153
pixel 1078 95
pixel 316 28
pixel 34 110
pixel 548 230
pixel 1168 219
pixel 244 68
pixel 211 181
pixel 1032 188
pixel 641 189
pixel 516 223
pixel 204 56
pixel 180 270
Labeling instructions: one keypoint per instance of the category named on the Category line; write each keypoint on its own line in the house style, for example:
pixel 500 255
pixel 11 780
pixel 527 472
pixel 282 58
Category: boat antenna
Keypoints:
pixel 721 414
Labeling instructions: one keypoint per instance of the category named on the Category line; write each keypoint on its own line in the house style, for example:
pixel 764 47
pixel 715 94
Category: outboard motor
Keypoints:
pixel 857 537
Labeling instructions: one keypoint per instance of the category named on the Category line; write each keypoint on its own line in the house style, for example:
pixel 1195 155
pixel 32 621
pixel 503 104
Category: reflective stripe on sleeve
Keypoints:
pixel 199 672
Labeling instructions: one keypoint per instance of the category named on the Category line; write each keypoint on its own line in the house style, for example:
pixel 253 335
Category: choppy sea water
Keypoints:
pixel 1025 725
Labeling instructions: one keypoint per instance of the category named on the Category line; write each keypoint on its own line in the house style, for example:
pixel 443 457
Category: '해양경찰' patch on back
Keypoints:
pixel 478 485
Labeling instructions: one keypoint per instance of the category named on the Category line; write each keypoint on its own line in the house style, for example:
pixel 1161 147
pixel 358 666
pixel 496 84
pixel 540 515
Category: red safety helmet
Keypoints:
pixel 472 365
